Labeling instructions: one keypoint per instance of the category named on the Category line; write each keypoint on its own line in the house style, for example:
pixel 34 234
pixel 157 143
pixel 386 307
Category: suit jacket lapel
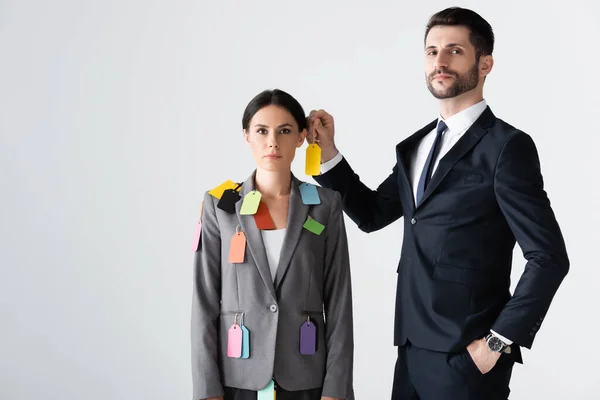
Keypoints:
pixel 462 146
pixel 297 214
pixel 254 239
pixel 403 151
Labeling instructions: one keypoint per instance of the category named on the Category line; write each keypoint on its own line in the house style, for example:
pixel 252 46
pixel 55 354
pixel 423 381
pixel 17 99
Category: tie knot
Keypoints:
pixel 441 127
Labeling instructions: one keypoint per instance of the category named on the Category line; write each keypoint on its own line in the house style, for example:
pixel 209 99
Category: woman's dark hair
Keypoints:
pixel 278 98
pixel 482 35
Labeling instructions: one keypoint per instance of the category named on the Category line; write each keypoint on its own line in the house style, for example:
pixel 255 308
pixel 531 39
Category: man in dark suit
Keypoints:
pixel 469 186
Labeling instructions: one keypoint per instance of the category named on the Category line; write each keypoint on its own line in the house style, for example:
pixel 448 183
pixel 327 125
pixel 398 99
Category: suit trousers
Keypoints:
pixel 282 394
pixel 423 374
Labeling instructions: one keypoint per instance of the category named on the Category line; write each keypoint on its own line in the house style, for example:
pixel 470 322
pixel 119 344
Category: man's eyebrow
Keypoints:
pixel 448 45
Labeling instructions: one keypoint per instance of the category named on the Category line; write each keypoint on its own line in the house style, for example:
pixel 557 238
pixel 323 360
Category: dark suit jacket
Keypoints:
pixel 454 271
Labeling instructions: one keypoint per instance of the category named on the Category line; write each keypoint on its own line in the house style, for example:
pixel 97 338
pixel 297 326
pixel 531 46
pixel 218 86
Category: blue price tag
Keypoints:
pixel 309 194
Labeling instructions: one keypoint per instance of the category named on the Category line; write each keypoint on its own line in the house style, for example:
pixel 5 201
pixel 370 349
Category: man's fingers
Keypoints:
pixel 318 126
pixel 318 114
pixel 311 135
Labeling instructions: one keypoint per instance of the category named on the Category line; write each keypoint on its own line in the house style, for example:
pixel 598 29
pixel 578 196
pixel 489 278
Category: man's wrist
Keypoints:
pixel 503 338
pixel 496 344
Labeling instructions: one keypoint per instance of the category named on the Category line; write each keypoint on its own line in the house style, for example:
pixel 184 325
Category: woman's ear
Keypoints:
pixel 301 138
pixel 246 137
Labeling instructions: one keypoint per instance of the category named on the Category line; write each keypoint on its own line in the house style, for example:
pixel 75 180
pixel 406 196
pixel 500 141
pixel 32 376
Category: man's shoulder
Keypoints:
pixel 502 132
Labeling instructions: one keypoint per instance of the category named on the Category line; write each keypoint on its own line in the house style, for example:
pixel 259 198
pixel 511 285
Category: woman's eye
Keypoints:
pixel 262 131
pixel 285 131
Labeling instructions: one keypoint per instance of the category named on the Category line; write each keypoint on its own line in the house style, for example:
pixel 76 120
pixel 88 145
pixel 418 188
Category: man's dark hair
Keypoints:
pixel 482 35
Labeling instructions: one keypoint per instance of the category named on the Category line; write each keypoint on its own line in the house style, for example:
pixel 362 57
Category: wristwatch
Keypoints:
pixel 496 344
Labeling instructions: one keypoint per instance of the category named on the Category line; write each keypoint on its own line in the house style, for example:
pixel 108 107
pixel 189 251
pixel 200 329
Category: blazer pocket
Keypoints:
pixel 456 274
pixel 403 263
pixel 451 291
pixel 317 313
pixel 235 316
pixel 472 179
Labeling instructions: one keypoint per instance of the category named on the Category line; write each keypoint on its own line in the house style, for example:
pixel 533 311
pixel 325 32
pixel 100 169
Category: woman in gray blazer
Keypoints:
pixel 272 299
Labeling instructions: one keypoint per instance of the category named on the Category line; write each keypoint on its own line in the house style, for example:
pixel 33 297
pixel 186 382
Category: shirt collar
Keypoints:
pixel 463 120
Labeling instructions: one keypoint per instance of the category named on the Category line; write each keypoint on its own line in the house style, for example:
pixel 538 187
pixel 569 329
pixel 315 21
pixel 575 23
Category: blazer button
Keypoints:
pixel 273 308
pixel 413 221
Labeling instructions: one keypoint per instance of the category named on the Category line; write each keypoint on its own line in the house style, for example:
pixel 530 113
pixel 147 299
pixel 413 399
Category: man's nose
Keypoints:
pixel 441 61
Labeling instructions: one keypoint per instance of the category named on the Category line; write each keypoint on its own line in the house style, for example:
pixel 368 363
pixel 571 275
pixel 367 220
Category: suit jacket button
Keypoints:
pixel 273 308
pixel 413 221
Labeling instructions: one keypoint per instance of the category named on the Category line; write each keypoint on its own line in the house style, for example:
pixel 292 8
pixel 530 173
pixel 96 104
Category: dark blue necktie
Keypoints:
pixel 433 153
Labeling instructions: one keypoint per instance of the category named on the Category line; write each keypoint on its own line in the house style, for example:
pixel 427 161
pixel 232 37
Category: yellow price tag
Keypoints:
pixel 313 160
pixel 218 191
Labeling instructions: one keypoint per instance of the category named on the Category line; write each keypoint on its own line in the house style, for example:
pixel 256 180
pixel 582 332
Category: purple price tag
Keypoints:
pixel 308 338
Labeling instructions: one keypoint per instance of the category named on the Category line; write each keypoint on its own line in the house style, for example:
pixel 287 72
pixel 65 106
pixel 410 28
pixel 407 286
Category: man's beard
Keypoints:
pixel 461 84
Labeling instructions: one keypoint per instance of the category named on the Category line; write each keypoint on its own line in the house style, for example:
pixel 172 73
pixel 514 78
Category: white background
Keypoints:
pixel 117 115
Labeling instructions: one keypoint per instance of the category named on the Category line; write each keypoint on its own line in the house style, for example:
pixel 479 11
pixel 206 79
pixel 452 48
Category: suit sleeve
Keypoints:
pixel 206 377
pixel 520 194
pixel 371 210
pixel 337 297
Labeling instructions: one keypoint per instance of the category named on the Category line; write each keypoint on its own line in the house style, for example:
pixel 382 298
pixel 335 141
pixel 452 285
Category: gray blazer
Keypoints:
pixel 312 279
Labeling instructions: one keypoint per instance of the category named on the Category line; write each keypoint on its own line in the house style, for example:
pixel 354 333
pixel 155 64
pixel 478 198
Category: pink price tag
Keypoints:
pixel 234 342
pixel 197 235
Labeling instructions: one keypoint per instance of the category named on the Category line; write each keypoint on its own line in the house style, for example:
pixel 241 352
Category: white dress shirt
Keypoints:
pixel 273 240
pixel 457 125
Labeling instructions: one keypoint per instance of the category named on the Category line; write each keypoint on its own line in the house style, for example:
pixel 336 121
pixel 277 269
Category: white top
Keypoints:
pixel 273 240
pixel 457 124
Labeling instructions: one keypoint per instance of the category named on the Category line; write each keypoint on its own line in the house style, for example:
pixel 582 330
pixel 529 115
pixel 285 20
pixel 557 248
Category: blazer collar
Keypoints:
pixel 297 214
pixel 471 137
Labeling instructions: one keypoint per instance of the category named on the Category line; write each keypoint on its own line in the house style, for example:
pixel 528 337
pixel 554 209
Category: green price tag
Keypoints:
pixel 314 226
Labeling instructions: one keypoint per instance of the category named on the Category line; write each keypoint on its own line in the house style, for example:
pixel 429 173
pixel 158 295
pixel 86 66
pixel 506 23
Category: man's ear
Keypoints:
pixel 486 63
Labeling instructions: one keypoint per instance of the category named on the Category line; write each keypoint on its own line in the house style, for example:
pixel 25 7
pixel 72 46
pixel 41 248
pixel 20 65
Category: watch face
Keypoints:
pixel 495 344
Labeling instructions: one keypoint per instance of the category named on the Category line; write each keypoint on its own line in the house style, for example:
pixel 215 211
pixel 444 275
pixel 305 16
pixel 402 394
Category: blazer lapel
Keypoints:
pixel 254 238
pixel 462 146
pixel 403 151
pixel 297 214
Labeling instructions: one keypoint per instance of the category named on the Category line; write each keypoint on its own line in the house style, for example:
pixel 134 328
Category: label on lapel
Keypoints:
pixel 245 342
pixel 251 203
pixel 228 200
pixel 263 217
pixel 309 194
pixel 218 191
pixel 308 338
pixel 237 248
pixel 266 393
pixel 234 341
pixel 313 160
pixel 313 226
